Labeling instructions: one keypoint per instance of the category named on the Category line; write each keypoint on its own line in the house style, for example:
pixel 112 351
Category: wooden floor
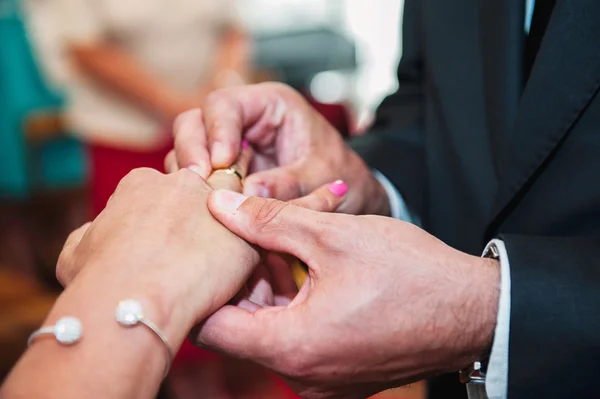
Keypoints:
pixel 23 307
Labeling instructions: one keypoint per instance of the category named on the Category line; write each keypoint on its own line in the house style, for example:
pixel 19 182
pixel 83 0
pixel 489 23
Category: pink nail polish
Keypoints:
pixel 339 188
pixel 245 144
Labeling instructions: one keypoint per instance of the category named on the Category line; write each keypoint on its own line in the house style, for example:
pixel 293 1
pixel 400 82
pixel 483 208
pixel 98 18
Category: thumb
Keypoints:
pixel 271 224
pixel 326 198
pixel 264 336
pixel 233 331
pixel 66 267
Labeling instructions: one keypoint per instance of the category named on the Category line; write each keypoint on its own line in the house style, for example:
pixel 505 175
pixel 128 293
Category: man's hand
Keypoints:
pixel 296 149
pixel 385 304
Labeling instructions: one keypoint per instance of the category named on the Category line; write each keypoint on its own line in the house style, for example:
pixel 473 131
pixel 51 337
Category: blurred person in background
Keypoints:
pixel 126 70
pixel 43 192
pixel 138 64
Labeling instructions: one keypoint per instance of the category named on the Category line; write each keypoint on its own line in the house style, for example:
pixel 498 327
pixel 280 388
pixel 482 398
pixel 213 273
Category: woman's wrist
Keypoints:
pixel 163 298
pixel 109 359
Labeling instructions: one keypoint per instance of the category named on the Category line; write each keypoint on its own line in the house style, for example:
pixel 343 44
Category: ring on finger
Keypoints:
pixel 233 170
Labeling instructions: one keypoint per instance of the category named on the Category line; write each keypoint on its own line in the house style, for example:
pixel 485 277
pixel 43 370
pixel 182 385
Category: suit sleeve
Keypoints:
pixel 395 144
pixel 554 346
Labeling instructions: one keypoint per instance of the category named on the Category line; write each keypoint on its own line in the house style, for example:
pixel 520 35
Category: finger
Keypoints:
pixel 171 165
pixel 283 284
pixel 272 283
pixel 241 300
pixel 229 339
pixel 248 305
pixel 227 178
pixel 271 224
pixel 66 269
pixel 260 287
pixel 228 113
pixel 190 143
pixel 245 334
pixel 225 127
pixel 327 198
pixel 279 183
pixel 244 160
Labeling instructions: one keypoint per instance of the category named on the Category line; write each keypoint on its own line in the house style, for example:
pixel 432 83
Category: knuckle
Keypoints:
pixel 186 181
pixel 215 97
pixel 192 116
pixel 216 127
pixel 277 86
pixel 185 177
pixel 138 176
pixel 285 91
pixel 323 203
pixel 267 214
pixel 135 181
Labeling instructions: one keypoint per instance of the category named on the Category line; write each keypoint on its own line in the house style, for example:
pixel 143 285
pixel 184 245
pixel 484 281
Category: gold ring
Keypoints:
pixel 232 171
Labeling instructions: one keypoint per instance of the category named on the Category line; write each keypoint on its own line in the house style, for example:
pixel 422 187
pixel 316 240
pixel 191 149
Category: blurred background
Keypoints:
pixel 89 90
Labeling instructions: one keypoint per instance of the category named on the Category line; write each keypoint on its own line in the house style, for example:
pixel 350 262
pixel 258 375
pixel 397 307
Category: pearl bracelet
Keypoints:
pixel 129 313
pixel 67 331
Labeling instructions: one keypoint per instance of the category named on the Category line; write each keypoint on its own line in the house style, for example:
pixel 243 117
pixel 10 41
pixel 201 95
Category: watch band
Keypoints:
pixel 476 391
pixel 475 374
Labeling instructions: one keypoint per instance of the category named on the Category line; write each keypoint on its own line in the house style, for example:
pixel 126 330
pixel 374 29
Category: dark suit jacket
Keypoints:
pixel 478 154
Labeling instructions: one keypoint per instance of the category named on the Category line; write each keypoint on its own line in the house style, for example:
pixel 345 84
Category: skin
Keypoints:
pixel 160 218
pixel 296 149
pixel 122 255
pixel 155 242
pixel 385 304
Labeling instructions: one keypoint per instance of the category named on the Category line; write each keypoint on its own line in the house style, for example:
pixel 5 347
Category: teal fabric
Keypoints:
pixel 56 164
pixel 60 163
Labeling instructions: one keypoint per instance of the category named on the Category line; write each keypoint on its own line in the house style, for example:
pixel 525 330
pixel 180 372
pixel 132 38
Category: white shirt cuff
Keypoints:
pixel 398 208
pixel 496 384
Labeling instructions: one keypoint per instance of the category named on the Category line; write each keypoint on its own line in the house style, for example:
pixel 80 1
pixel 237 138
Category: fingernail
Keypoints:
pixel 277 117
pixel 245 144
pixel 339 188
pixel 201 170
pixel 256 190
pixel 228 201
pixel 219 153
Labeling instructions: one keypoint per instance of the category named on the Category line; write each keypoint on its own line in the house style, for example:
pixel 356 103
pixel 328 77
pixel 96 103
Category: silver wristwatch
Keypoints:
pixel 476 372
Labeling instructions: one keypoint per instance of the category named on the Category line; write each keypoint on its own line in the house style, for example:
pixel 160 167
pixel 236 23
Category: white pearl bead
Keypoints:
pixel 129 312
pixel 68 330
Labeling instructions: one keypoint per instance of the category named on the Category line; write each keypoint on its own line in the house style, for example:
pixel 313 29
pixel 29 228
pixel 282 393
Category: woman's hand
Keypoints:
pixel 156 231
pixel 155 243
